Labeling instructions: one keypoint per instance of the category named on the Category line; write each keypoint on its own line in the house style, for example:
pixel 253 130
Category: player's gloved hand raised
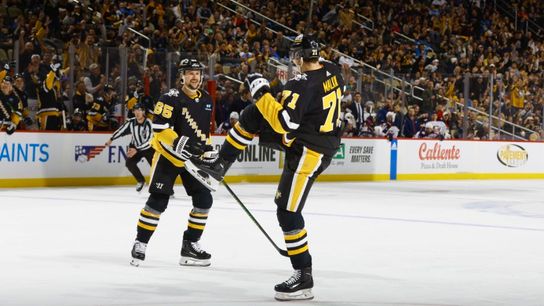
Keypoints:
pixel 257 85
pixel 186 148
pixel 6 67
pixel 55 67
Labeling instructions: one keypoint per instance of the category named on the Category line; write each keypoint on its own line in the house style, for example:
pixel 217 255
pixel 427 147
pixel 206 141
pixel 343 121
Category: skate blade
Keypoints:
pixel 135 262
pixel 206 180
pixel 189 261
pixel 304 294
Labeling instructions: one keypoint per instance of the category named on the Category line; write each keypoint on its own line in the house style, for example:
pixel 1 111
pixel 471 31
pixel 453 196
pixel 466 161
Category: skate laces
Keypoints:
pixel 196 247
pixel 140 247
pixel 294 278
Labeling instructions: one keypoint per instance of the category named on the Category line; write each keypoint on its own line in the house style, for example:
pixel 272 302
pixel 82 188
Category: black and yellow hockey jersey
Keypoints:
pixel 177 114
pixel 309 110
pixel 97 113
pixel 11 108
pixel 24 99
pixel 146 101
pixel 48 102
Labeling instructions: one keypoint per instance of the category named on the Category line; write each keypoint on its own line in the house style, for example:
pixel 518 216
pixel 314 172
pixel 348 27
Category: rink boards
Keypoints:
pixel 71 159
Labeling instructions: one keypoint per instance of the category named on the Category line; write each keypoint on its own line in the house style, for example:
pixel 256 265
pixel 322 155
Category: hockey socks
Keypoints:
pixel 147 224
pixel 296 242
pixel 196 224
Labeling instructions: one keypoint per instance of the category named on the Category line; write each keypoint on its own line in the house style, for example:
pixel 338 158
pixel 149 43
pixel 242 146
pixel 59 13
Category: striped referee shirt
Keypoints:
pixel 141 133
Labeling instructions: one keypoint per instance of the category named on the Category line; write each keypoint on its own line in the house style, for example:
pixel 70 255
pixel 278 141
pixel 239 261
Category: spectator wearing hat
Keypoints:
pixel 140 129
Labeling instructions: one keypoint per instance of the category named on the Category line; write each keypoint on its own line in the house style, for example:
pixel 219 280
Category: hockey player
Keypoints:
pixel 19 89
pixel 139 97
pixel 10 106
pixel 140 145
pixel 49 105
pixel 76 123
pixel 181 130
pixel 306 124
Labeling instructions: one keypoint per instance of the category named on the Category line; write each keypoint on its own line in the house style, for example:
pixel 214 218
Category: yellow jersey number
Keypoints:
pixel 164 110
pixel 332 103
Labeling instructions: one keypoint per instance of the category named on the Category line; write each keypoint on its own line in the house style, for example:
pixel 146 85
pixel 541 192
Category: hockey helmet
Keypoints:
pixel 190 64
pixel 305 47
pixel 8 79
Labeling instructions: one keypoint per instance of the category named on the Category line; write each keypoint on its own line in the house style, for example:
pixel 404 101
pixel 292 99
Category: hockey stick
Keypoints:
pixel 282 252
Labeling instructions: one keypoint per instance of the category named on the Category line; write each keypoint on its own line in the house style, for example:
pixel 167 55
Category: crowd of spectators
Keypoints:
pixel 450 39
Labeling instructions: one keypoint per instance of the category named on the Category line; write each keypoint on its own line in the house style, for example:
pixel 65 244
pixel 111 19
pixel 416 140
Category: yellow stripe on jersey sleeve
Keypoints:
pixel 166 136
pixel 49 79
pixel 270 109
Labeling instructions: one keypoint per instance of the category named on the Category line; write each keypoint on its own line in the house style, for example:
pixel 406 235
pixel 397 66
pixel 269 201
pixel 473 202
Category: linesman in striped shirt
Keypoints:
pixel 140 147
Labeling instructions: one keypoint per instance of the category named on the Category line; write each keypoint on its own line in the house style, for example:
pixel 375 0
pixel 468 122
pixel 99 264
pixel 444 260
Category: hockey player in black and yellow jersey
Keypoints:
pixel 181 130
pixel 49 105
pixel 10 106
pixel 98 116
pixel 305 124
pixel 19 89
pixel 138 96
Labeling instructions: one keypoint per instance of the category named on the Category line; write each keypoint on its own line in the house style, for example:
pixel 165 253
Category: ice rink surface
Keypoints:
pixel 373 243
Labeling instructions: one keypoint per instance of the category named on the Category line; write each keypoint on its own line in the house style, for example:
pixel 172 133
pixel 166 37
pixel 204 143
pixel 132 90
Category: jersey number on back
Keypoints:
pixel 164 110
pixel 332 103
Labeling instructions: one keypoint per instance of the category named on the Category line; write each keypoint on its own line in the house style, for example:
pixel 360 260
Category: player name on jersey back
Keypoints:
pixel 330 84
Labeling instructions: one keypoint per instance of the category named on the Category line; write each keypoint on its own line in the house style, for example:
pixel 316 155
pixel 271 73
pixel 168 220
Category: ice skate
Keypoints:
pixel 140 186
pixel 138 253
pixel 297 287
pixel 193 255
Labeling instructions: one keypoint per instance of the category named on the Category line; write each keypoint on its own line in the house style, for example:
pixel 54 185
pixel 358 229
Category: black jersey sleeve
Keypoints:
pixel 285 116
pixel 164 119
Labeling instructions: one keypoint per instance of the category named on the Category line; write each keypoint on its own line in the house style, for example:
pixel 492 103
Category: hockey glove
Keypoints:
pixel 55 67
pixel 257 85
pixel 11 128
pixel 185 148
pixel 208 157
